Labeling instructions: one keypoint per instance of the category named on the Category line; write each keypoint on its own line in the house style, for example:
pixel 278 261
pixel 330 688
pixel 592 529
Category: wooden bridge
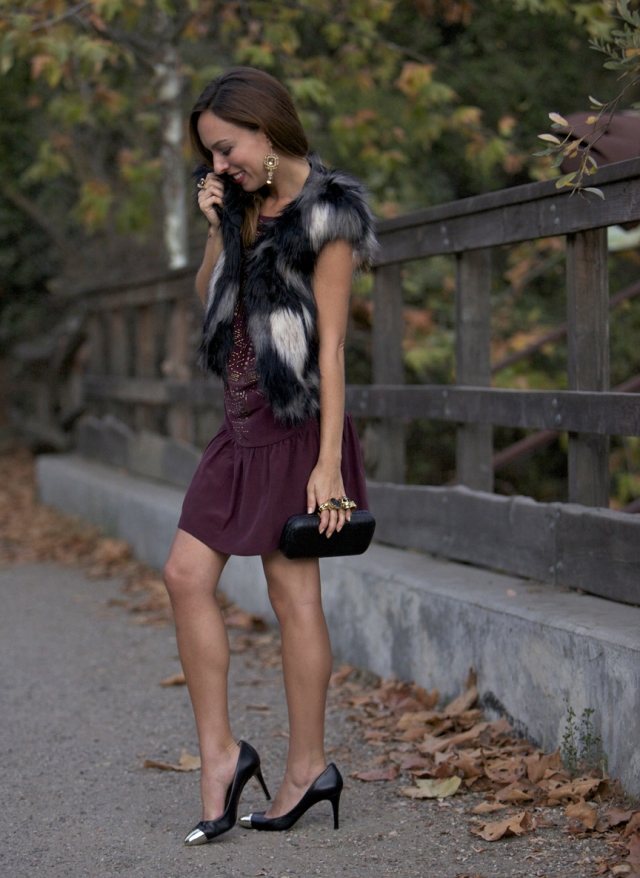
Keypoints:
pixel 125 361
pixel 142 337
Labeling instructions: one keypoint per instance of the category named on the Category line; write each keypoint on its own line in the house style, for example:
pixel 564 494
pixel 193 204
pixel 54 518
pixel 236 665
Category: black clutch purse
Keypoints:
pixel 301 539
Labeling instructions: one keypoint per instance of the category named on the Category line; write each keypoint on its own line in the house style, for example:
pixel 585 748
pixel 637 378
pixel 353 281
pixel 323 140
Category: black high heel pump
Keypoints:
pixel 326 787
pixel 248 766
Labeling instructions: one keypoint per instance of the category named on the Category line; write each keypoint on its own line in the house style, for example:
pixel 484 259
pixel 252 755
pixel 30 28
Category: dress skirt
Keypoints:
pixel 253 474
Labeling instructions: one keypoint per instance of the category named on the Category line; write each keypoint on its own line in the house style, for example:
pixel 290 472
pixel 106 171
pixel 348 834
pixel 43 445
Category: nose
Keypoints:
pixel 220 164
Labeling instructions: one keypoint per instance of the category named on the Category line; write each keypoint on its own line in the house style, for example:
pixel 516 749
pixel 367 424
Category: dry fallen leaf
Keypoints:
pixel 506 770
pixel 341 675
pixel 376 774
pixel 432 788
pixel 517 824
pixel 468 765
pixel 633 846
pixel 174 680
pixel 376 735
pixel 463 702
pixel 469 736
pixel 187 762
pixel 110 550
pixel 584 813
pixel 516 792
pixel 488 807
pixel 416 718
pixel 539 763
pixel 613 817
pixel 575 790
pixel 237 618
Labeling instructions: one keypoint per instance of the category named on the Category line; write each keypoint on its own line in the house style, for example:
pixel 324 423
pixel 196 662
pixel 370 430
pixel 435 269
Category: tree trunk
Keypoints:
pixel 170 83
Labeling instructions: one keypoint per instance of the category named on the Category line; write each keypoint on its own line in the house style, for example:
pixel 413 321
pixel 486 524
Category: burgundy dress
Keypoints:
pixel 253 474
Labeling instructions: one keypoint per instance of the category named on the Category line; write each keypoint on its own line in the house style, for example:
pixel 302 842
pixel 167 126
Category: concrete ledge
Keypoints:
pixel 110 441
pixel 535 647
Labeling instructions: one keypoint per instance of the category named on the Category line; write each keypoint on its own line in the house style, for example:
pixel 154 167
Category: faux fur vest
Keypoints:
pixel 276 279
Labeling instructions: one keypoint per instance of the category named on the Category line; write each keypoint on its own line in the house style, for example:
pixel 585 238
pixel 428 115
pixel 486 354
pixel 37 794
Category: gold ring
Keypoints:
pixel 347 504
pixel 329 504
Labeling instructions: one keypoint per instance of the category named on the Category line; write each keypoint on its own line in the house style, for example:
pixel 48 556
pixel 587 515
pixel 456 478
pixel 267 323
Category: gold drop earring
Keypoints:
pixel 270 162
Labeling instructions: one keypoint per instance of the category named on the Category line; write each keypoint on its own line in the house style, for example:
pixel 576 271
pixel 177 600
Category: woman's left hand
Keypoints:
pixel 325 483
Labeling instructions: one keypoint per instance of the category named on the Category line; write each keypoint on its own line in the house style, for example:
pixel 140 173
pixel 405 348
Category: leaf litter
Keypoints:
pixel 32 532
pixel 444 751
pixel 450 750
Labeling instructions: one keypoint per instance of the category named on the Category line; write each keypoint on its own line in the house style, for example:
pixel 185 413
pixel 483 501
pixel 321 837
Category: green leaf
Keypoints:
pixel 311 90
pixel 595 191
pixel 566 180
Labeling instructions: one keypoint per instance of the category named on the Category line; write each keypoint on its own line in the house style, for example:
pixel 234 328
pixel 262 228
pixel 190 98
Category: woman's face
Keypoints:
pixel 236 151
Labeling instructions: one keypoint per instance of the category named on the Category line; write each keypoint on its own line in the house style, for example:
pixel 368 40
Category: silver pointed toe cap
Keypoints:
pixel 196 836
pixel 246 821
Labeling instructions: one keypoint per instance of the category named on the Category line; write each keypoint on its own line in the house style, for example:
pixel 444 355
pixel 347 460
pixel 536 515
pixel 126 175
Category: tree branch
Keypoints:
pixel 399 49
pixel 70 13
pixel 141 48
pixel 31 209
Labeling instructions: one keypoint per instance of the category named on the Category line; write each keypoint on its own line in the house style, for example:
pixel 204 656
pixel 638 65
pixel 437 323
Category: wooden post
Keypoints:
pixel 180 419
pixel 588 353
pixel 388 368
pixel 118 357
pixel 97 356
pixel 97 353
pixel 4 397
pixel 145 360
pixel 474 442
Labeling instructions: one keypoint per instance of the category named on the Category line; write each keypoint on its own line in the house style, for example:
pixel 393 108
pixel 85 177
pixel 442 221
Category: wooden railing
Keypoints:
pixel 143 337
pixel 142 340
pixel 568 544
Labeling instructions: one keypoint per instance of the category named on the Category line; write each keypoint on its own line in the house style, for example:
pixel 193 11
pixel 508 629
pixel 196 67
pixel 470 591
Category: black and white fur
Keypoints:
pixel 276 277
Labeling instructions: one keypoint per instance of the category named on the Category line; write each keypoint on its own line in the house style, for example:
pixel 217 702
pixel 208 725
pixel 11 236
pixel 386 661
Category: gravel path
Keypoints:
pixel 82 709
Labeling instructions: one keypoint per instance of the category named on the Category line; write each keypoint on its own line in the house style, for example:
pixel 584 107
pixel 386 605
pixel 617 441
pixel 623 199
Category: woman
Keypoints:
pixel 284 237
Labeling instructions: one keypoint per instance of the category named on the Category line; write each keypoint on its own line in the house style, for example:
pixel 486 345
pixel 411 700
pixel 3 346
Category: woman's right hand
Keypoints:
pixel 210 195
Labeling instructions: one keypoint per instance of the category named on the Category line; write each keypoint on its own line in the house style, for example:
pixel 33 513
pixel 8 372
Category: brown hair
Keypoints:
pixel 252 99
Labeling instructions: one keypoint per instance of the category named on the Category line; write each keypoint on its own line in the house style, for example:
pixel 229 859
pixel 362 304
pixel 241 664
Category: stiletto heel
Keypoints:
pixel 335 804
pixel 327 786
pixel 262 783
pixel 248 766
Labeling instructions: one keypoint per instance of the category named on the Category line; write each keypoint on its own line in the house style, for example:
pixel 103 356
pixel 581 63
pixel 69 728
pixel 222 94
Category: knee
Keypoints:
pixel 293 604
pixel 180 580
pixel 173 575
pixel 293 586
pixel 279 601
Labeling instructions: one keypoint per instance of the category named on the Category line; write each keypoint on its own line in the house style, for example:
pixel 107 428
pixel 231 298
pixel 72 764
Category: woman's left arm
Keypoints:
pixel 332 288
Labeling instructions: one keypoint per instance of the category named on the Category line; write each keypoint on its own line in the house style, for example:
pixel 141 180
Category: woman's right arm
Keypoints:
pixel 210 196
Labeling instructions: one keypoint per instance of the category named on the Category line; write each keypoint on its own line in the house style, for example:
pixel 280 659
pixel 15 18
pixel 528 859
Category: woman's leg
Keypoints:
pixel 294 591
pixel 191 574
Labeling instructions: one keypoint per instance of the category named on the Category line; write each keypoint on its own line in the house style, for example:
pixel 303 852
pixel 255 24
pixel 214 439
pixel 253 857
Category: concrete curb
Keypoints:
pixel 536 649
